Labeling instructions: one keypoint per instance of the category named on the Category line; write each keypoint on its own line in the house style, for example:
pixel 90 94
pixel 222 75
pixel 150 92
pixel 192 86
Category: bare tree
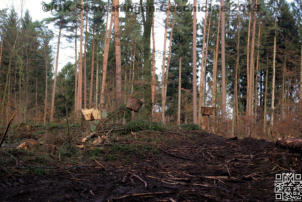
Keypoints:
pixel 55 74
pixel 274 78
pixel 203 67
pixel 223 103
pixel 153 67
pixel 194 66
pixel 105 61
pixel 80 80
pixel 85 65
pixel 118 73
pixel 164 66
pixel 179 93
pixel 214 87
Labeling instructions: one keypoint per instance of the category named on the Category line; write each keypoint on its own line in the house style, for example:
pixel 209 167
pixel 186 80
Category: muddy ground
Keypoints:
pixel 153 166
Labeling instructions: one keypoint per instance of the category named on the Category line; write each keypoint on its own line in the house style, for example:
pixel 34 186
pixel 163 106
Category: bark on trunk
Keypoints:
pixel 91 71
pixel 46 85
pixel 274 78
pixel 85 65
pixel 76 70
pixel 153 68
pixel 179 93
pixel 97 81
pixel 223 102
pixel 55 75
pixel 80 80
pixel 105 61
pixel 168 66
pixel 163 67
pixel 235 102
pixel 118 75
pixel 257 69
pixel 194 67
pixel 265 100
pixel 215 66
pixel 203 68
pixel 248 65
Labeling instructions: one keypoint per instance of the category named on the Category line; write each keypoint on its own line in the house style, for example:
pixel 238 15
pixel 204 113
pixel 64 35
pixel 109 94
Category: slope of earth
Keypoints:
pixel 156 166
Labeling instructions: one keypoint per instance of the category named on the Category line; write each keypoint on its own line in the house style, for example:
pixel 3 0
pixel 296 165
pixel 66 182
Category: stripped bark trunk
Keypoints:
pixel 105 61
pixel 203 67
pixel 179 93
pixel 85 65
pixel 55 75
pixel 194 67
pixel 163 67
pixel 223 86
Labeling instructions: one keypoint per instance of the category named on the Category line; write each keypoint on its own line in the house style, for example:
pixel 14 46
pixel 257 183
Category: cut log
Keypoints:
pixel 91 114
pixel 292 143
pixel 28 144
pixel 134 104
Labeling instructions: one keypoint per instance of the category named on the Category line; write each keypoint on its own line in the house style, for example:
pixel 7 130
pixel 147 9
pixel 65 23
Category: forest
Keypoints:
pixel 216 103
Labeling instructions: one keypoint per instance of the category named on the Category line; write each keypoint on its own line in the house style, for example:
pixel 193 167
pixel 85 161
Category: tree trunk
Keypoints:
pixel 153 68
pixel 179 93
pixel 118 73
pixel 194 67
pixel 248 65
pixel 257 69
pixel 301 77
pixel 55 75
pixel 223 103
pixel 203 67
pixel 274 78
pixel 252 67
pixel 265 99
pixel 168 65
pixel 85 65
pixel 97 80
pixel 80 80
pixel 46 86
pixel 91 71
pixel 36 102
pixel 1 50
pixel 215 66
pixel 163 105
pixel 105 61
pixel 76 69
pixel 283 88
pixel 235 102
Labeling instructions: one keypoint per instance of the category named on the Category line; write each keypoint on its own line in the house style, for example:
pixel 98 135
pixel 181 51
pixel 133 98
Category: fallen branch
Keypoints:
pixel 142 194
pixel 292 143
pixel 7 127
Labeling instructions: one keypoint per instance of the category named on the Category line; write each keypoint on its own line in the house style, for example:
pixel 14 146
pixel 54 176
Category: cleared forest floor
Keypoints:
pixel 150 166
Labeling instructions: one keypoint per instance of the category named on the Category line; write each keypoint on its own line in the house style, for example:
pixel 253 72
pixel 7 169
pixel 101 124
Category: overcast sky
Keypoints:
pixel 67 49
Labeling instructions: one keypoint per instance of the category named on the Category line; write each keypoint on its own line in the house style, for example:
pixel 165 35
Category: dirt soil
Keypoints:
pixel 186 166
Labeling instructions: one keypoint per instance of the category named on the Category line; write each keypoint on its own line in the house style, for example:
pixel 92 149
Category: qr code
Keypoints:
pixel 288 187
